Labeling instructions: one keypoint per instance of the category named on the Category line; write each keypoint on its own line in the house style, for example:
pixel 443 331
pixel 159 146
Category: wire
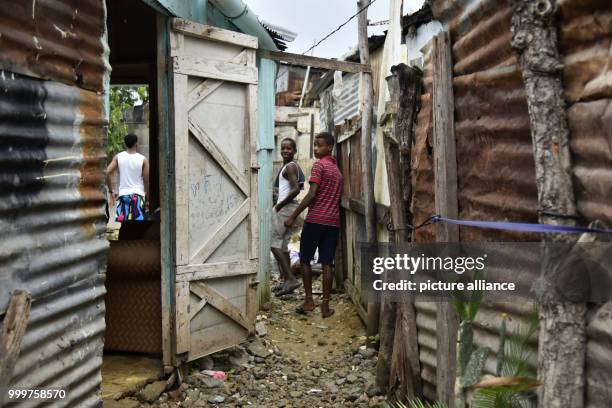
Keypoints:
pixel 340 26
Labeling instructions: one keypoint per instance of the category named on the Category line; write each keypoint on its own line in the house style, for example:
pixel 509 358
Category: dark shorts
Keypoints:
pixel 324 237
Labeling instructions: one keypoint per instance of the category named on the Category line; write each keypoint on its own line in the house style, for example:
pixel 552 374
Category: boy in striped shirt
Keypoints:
pixel 322 225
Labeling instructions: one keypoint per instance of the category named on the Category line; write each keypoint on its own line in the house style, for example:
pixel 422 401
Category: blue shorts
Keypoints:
pixel 324 237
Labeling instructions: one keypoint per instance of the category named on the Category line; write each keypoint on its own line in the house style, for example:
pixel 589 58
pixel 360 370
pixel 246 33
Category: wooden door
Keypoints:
pixel 216 242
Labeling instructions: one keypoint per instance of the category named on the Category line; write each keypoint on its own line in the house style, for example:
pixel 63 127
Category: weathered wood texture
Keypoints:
pixel 366 147
pixel 562 341
pixel 315 62
pixel 11 334
pixel 165 186
pixel 446 205
pixel 398 368
pixel 215 126
pixel 405 376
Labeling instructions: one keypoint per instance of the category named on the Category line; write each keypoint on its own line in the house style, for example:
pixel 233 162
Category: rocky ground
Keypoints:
pixel 294 361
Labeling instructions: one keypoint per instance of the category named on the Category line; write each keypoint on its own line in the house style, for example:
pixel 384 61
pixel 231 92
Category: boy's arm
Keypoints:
pixel 292 176
pixel 312 191
pixel 145 180
pixel 112 167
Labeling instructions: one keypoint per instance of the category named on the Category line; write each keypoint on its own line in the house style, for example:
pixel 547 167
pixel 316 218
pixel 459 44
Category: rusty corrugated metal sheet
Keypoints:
pixel 585 40
pixel 55 39
pixel 423 204
pixel 495 159
pixel 52 218
pixel 585 43
pixel 52 244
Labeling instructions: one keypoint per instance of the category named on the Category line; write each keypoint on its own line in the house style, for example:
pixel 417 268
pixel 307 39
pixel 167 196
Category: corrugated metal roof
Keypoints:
pixel 280 35
pixel 55 39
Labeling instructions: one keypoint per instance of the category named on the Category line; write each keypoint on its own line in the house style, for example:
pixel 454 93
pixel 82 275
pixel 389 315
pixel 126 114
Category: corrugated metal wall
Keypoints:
pixel 586 44
pixel 346 98
pixel 52 138
pixel 495 160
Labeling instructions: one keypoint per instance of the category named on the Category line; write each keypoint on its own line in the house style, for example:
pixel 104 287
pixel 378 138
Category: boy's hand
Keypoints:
pixel 115 196
pixel 275 208
pixel 289 222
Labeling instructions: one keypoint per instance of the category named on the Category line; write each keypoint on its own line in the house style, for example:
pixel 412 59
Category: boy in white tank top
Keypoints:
pixel 288 179
pixel 132 197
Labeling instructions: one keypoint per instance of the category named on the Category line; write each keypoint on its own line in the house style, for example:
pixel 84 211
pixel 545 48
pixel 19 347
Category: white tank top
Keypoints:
pixel 130 173
pixel 283 185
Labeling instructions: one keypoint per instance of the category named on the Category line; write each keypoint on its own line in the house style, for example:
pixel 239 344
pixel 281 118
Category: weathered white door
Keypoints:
pixel 215 102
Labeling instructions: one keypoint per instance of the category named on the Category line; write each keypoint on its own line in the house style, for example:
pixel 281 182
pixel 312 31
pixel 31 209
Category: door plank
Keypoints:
pixel 215 270
pixel 182 317
pixel 215 338
pixel 219 302
pixel 181 171
pixel 214 69
pixel 208 86
pixel 252 154
pixel 222 233
pixel 211 148
pixel 207 32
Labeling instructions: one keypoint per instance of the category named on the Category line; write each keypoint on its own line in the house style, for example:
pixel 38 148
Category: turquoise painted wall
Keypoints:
pixel 265 154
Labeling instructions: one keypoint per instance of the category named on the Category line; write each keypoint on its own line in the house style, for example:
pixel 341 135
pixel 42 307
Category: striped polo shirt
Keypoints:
pixel 325 207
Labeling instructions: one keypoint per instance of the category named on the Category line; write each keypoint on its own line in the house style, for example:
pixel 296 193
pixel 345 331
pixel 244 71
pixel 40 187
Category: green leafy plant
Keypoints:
pixel 121 98
pixel 515 381
pixel 415 403
pixel 513 384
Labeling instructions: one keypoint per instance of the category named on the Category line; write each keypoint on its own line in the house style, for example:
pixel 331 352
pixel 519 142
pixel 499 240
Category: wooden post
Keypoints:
pixel 11 334
pixel 562 341
pixel 366 155
pixel 397 359
pixel 445 162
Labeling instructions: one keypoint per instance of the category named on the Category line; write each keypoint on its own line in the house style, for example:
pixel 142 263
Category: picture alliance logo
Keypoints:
pixel 412 264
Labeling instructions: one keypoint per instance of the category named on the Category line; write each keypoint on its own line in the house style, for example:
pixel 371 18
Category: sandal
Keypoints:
pixel 288 289
pixel 278 287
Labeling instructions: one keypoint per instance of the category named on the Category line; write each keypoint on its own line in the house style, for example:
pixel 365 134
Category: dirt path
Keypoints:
pixel 294 361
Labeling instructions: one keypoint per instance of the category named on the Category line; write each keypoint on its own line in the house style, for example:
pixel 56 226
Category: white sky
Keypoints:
pixel 313 19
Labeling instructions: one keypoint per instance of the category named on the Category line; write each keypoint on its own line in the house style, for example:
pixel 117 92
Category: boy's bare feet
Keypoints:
pixel 307 306
pixel 326 311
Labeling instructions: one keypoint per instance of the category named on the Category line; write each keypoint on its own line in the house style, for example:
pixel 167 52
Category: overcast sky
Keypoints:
pixel 313 19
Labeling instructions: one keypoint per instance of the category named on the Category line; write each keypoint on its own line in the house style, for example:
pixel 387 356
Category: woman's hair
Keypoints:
pixel 290 140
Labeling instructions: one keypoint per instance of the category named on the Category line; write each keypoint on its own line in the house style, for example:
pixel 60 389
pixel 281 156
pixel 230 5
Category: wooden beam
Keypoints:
pixel 215 270
pixel 562 341
pixel 219 302
pixel 11 334
pixel 221 70
pixel 211 33
pixel 446 205
pixel 314 62
pixel 399 336
pixel 366 152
